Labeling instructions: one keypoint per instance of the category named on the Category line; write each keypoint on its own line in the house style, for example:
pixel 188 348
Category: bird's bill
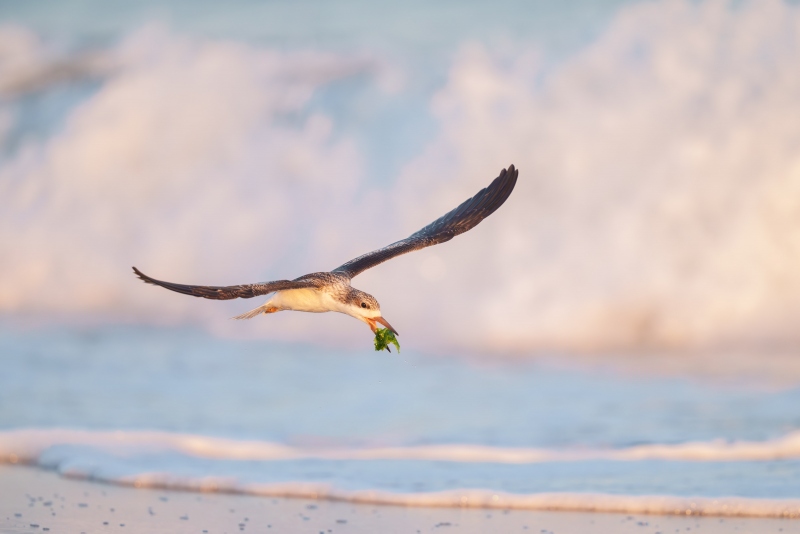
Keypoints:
pixel 384 322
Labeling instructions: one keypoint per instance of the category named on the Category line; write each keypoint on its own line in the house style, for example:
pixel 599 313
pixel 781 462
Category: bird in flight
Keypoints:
pixel 331 291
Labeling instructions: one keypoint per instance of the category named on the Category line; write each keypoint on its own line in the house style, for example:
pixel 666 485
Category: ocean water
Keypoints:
pixel 620 336
pixel 179 408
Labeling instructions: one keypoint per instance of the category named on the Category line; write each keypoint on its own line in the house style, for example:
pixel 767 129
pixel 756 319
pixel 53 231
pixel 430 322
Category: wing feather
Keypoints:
pixel 457 221
pixel 245 291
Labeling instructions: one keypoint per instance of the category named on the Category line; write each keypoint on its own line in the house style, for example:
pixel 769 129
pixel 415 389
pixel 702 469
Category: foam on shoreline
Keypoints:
pixel 29 446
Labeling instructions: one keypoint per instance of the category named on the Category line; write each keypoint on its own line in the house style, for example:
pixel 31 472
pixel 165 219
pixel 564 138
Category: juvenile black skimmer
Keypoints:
pixel 331 291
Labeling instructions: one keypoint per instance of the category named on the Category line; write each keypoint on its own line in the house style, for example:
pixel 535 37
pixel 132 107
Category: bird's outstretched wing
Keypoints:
pixel 463 218
pixel 246 291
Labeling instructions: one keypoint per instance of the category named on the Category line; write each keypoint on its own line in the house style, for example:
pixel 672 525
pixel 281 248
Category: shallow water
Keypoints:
pixel 185 380
pixel 538 428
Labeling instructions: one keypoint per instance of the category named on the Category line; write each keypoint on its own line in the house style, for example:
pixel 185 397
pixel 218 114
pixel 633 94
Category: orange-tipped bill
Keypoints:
pixel 384 322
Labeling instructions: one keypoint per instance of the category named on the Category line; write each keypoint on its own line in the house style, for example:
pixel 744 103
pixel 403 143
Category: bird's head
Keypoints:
pixel 365 307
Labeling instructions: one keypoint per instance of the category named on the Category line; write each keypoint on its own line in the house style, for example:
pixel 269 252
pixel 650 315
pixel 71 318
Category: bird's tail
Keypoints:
pixel 264 308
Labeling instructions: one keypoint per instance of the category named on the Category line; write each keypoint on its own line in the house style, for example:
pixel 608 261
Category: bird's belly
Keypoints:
pixel 307 300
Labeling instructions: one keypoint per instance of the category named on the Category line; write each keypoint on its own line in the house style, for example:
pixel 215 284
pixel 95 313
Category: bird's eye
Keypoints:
pixel 363 304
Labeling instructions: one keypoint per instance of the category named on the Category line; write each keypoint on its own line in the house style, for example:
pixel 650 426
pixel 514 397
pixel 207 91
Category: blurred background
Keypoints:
pixel 654 233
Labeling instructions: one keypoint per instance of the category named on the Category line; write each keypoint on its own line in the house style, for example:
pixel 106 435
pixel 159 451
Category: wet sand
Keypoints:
pixel 34 500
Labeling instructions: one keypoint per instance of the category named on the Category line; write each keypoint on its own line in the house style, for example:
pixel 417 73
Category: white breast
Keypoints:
pixel 307 300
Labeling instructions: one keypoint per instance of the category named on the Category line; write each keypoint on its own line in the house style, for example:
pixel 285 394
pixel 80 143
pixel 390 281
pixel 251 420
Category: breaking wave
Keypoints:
pixel 657 203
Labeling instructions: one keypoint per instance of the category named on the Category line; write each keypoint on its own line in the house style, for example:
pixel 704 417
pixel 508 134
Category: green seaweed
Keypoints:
pixel 384 337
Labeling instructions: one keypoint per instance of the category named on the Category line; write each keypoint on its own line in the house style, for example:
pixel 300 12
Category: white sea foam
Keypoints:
pixel 27 446
pixel 31 446
pixel 212 140
pixel 657 204
pixel 659 187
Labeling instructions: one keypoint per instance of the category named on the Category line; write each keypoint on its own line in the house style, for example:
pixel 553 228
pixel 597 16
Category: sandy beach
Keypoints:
pixel 34 500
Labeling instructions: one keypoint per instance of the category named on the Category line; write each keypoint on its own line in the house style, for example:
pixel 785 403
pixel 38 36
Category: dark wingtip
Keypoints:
pixel 508 177
pixel 141 276
pixel 513 171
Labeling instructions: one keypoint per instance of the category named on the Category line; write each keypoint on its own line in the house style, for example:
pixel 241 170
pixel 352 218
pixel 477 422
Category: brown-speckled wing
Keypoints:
pixel 230 292
pixel 463 218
